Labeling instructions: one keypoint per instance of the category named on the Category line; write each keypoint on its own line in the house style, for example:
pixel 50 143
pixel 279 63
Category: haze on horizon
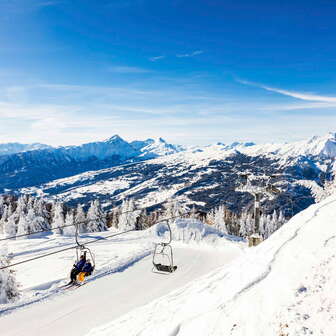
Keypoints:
pixel 191 72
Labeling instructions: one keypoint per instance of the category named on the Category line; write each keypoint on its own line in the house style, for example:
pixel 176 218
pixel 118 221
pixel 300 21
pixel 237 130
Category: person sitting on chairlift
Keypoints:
pixel 77 268
pixel 86 271
pixel 87 268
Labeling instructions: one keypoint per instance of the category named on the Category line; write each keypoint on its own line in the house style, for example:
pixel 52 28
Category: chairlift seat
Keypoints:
pixel 165 268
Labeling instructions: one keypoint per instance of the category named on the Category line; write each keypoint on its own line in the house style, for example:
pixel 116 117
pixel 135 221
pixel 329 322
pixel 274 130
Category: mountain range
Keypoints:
pixel 152 171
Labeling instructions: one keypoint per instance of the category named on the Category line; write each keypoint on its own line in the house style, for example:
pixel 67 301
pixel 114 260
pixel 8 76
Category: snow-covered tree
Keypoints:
pixel 58 220
pixel 34 222
pixel 80 219
pixel 219 221
pixel 246 223
pixel 70 228
pixel 10 226
pixel 329 188
pixel 23 225
pixel 174 209
pixel 193 212
pixel 128 216
pixel 4 218
pixel 8 285
pixel 210 217
pixel 96 219
pixel 22 205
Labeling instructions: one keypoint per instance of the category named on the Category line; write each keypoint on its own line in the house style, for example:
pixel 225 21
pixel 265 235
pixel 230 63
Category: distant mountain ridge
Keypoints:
pixel 29 165
pixel 204 176
pixel 15 147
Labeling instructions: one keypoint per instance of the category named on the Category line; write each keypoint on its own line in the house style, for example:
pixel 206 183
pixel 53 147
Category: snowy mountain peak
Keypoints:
pixel 318 146
pixel 114 138
pixel 155 147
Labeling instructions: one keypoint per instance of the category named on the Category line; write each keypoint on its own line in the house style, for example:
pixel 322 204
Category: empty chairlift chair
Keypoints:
pixel 163 260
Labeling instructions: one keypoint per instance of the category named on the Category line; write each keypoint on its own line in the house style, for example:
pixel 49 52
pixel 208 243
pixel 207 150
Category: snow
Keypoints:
pixel 123 279
pixel 151 148
pixel 323 146
pixel 195 160
pixel 14 147
pixel 285 286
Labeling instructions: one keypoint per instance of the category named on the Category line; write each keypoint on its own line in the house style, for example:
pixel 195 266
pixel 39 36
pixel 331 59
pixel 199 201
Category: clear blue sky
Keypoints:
pixel 193 72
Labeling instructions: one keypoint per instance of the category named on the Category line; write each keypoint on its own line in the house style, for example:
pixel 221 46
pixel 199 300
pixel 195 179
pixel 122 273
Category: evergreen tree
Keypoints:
pixel 70 228
pixel 58 220
pixel 80 219
pixel 10 226
pixel 4 218
pixel 210 217
pixel 96 219
pixel 128 216
pixel 219 219
pixel 23 226
pixel 8 285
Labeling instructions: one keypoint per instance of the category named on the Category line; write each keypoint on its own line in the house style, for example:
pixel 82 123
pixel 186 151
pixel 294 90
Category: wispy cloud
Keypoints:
pixel 194 53
pixel 294 94
pixel 156 58
pixel 127 69
pixel 47 3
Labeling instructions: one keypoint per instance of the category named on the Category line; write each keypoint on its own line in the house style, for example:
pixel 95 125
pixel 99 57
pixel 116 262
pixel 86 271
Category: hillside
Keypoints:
pixel 283 287
pixel 207 176
pixel 123 278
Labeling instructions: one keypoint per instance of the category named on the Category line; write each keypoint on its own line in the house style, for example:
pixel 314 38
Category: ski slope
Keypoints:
pixel 124 280
pixel 283 287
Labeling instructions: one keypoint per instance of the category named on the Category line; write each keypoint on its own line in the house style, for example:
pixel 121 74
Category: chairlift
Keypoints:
pixel 163 261
pixel 81 249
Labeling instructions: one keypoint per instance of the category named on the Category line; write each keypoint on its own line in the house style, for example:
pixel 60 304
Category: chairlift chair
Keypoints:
pixel 163 261
pixel 81 249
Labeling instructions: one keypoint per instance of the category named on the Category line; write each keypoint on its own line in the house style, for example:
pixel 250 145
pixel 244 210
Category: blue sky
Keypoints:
pixel 193 72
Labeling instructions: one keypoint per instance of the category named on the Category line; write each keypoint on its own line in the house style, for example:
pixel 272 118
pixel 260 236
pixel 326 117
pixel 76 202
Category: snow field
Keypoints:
pixel 123 279
pixel 282 287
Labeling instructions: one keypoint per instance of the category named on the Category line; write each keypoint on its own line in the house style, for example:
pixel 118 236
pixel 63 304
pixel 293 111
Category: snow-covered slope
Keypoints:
pixel 123 278
pixel 14 147
pixel 152 148
pixel 101 149
pixel 285 286
pixel 319 146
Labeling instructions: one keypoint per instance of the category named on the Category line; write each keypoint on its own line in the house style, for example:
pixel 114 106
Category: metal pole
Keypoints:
pixel 256 212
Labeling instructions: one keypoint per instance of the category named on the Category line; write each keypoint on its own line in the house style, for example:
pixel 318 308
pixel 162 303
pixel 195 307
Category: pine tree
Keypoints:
pixel 210 217
pixel 8 285
pixel 23 227
pixel 70 228
pixel 219 219
pixel 128 216
pixel 10 226
pixel 58 220
pixel 80 219
pixel 4 218
pixel 96 219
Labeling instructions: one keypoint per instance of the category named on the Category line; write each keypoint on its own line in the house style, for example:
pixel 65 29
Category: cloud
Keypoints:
pixel 47 3
pixel 156 58
pixel 127 70
pixel 294 94
pixel 194 53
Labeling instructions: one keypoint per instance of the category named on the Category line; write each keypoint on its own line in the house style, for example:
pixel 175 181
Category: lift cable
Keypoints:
pixel 85 243
pixel 63 226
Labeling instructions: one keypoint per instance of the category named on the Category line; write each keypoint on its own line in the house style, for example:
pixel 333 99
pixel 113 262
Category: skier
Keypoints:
pixel 77 268
pixel 86 270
